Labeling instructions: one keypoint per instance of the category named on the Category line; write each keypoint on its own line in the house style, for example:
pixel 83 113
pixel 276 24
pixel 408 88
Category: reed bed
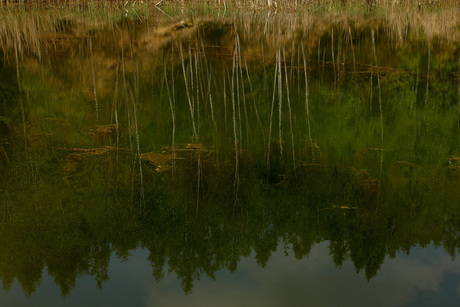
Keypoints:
pixel 275 4
pixel 35 29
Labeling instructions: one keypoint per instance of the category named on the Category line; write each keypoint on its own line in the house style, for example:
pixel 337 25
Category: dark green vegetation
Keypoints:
pixel 203 141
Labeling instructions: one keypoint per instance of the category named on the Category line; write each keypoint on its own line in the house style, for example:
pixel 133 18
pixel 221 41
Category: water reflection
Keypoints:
pixel 216 143
pixel 426 276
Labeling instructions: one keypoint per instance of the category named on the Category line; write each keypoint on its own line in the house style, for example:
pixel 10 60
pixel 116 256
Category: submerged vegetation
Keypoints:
pixel 203 133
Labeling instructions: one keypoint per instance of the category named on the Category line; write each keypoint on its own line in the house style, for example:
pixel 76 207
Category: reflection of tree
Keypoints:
pixel 76 238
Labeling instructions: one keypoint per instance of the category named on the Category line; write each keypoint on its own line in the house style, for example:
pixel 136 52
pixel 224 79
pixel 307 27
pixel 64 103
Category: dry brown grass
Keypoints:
pixel 38 32
pixel 416 5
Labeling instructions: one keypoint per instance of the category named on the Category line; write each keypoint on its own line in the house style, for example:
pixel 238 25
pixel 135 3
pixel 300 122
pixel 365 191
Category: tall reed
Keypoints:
pixel 192 112
pixel 289 108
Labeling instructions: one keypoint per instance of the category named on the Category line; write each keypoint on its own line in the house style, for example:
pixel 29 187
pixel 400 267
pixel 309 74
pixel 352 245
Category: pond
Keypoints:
pixel 246 159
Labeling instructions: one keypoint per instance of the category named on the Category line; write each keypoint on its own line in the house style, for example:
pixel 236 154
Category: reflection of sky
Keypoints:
pixel 426 277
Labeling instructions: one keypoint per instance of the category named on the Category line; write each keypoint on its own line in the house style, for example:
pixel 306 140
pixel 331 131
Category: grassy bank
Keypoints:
pixel 300 6
pixel 415 4
pixel 33 26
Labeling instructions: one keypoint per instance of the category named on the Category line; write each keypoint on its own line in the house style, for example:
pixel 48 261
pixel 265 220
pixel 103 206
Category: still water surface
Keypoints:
pixel 246 161
pixel 425 278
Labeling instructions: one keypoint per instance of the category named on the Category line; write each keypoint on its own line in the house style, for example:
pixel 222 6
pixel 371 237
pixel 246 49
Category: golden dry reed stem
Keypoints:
pixel 280 102
pixel 117 132
pixel 254 99
pixel 115 111
pixel 173 86
pixel 289 109
pixel 209 94
pixel 235 136
pixel 352 48
pixel 428 75
pixel 139 160
pixel 173 117
pixel 240 123
pixel 96 104
pixel 378 82
pixel 381 117
pixel 458 76
pixel 211 105
pixel 333 58
pixel 191 70
pixel 240 69
pixel 307 108
pixel 24 128
pixel 292 58
pixel 225 98
pixel 198 85
pixel 271 117
pixel 195 135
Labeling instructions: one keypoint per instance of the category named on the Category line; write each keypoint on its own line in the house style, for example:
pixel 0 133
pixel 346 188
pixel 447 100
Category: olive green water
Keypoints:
pixel 231 161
